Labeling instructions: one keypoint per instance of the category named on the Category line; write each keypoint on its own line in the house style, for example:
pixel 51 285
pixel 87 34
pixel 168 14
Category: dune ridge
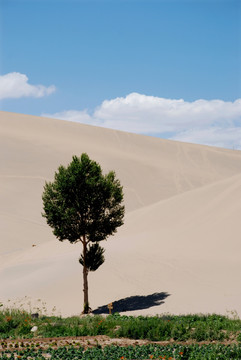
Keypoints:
pixel 181 234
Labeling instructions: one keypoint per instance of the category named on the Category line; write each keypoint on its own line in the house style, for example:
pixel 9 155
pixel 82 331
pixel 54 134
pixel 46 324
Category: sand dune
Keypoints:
pixel 181 237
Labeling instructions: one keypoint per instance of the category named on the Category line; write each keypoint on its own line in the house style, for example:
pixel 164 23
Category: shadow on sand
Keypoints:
pixel 138 302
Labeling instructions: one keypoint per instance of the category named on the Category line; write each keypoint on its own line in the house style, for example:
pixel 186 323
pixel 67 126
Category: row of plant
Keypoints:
pixel 19 324
pixel 171 352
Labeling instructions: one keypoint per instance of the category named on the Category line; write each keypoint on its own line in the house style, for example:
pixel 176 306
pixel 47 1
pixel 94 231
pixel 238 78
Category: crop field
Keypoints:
pixel 117 337
pixel 171 352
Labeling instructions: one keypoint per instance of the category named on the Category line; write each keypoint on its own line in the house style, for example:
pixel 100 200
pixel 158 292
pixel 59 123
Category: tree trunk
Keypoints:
pixel 85 279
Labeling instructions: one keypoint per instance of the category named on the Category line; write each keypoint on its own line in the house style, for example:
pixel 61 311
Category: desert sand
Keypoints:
pixel 178 250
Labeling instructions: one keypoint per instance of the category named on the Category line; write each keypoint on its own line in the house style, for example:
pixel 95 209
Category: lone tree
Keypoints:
pixel 82 204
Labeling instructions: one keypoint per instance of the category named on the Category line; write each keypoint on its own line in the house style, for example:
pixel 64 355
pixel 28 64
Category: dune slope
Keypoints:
pixel 181 237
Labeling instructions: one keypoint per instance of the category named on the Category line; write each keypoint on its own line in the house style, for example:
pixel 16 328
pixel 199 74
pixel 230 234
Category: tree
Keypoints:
pixel 82 204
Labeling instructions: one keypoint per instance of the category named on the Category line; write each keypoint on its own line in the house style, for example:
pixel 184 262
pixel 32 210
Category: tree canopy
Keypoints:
pixel 82 204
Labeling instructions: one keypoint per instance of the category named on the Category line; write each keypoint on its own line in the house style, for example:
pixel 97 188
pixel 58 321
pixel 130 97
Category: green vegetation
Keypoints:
pixel 179 328
pixel 82 204
pixel 18 324
pixel 171 352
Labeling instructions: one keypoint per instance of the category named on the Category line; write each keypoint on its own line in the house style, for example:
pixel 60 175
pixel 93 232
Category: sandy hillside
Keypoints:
pixel 179 249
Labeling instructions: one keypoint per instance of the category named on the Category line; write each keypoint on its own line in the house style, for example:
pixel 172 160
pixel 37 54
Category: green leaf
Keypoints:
pixel 94 257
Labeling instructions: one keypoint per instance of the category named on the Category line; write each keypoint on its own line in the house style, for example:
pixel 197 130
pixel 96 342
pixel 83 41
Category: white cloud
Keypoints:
pixel 213 136
pixel 15 85
pixel 149 114
pixel 72 115
pixel 213 122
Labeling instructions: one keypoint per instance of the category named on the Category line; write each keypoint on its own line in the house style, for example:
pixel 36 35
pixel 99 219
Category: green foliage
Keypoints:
pixel 179 328
pixel 172 352
pixel 94 257
pixel 82 204
pixel 17 324
pixel 14 323
pixel 81 201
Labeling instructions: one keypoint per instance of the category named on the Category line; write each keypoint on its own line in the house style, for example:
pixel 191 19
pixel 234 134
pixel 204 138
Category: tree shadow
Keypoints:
pixel 137 302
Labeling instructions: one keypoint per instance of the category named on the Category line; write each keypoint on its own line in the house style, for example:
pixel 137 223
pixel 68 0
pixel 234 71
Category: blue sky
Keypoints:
pixel 158 67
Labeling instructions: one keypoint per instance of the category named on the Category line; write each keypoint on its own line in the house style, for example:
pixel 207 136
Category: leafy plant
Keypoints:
pixel 17 324
pixel 171 352
pixel 82 204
